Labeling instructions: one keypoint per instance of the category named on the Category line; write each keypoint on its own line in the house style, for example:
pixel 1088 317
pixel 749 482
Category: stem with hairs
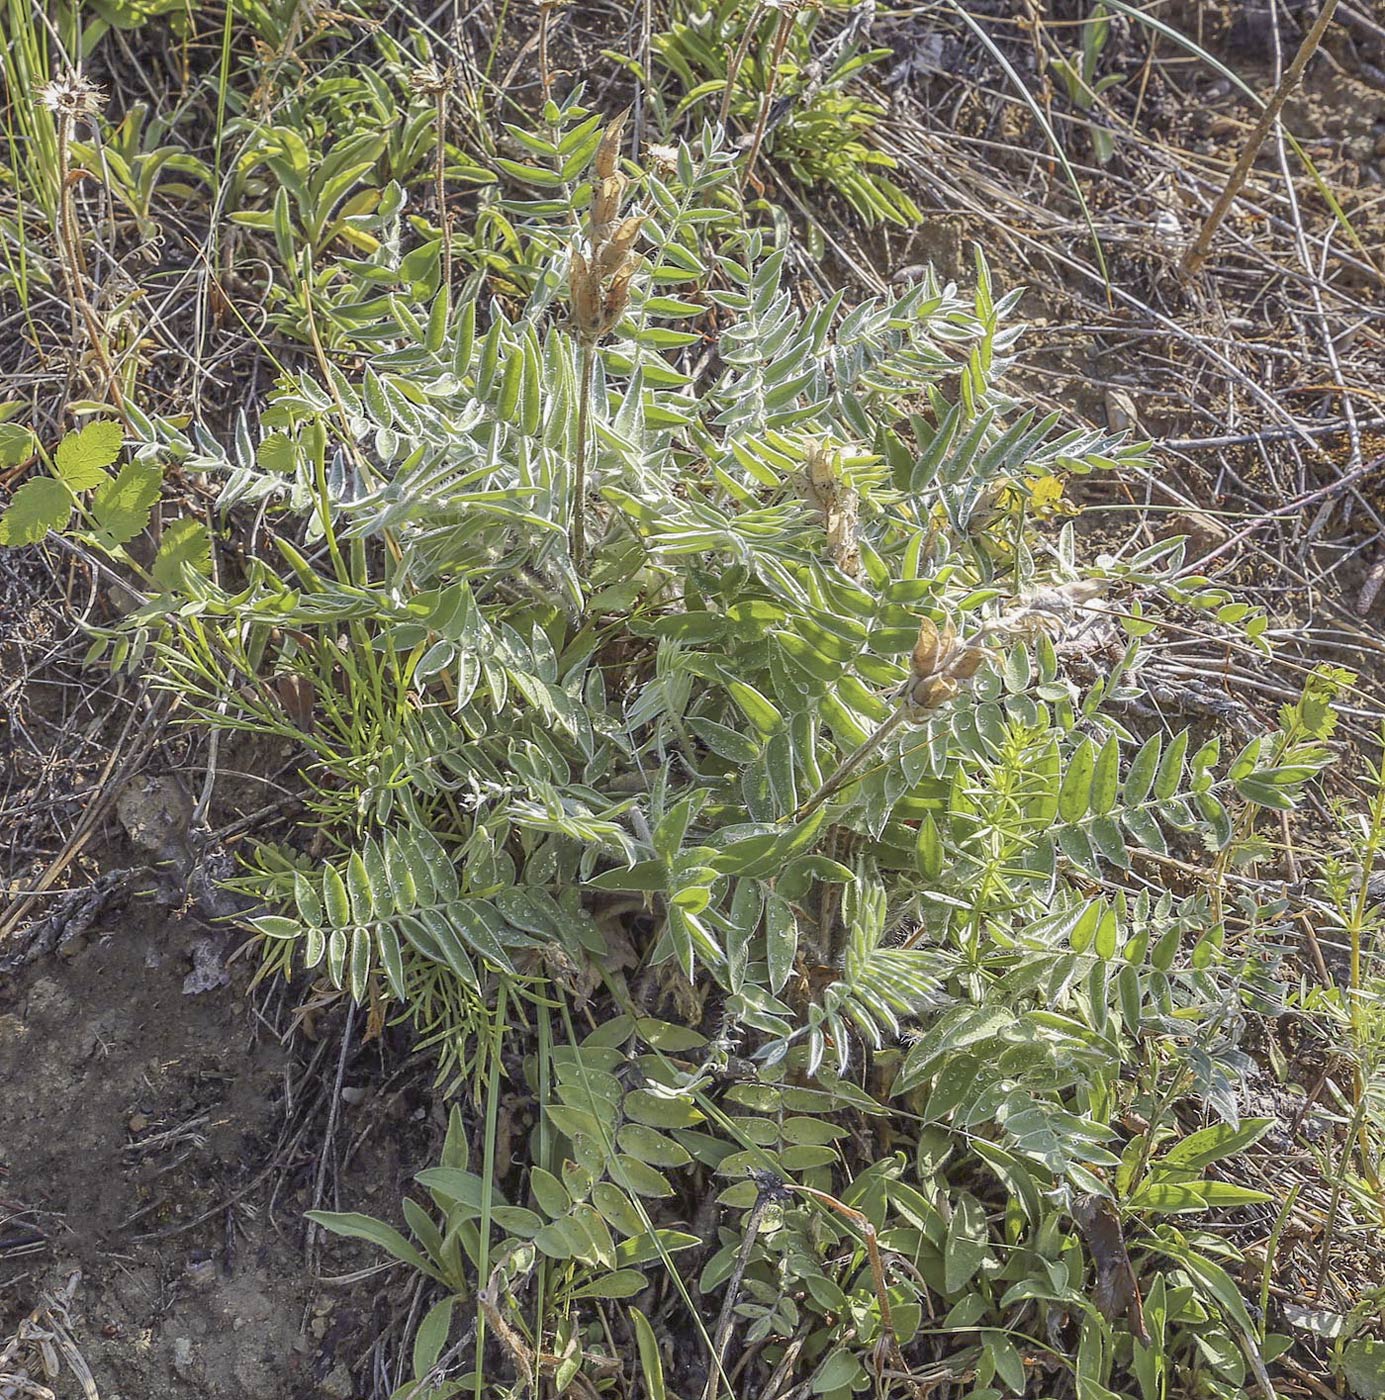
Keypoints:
pixel 578 542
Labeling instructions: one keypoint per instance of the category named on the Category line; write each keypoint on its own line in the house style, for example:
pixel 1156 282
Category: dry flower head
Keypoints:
pixel 431 80
pixel 599 277
pixel 71 96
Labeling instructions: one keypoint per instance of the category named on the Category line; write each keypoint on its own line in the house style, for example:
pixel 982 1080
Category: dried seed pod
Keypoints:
pixel 1083 590
pixel 933 692
pixel 967 664
pixel 608 152
pixel 584 289
pixel 615 248
pixel 607 195
pixel 297 696
pixel 925 658
pixel 842 538
pixel 822 473
pixel 618 293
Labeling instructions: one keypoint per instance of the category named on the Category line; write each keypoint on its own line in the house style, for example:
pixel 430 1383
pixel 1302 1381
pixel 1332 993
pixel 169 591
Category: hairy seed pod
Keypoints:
pixel 967 664
pixel 607 195
pixel 613 252
pixel 925 658
pixel 618 294
pixel 822 475
pixel 608 152
pixel 584 288
pixel 933 691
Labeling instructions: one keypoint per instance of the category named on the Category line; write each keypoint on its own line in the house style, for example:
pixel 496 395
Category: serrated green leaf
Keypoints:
pixel 40 505
pixel 82 456
pixel 17 444
pixel 185 544
pixel 121 508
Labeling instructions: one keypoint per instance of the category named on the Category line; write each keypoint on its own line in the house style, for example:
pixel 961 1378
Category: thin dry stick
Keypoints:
pixel 1194 258
pixel 434 81
pixel 1314 281
pixel 733 68
pixel 440 180
pixel 641 92
pixel 889 1342
pixel 71 98
pixel 781 40
pixel 545 73
pixel 767 1193
pixel 333 1108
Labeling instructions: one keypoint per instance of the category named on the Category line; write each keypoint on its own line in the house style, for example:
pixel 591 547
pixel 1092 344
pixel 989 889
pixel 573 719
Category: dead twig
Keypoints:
pixel 1194 258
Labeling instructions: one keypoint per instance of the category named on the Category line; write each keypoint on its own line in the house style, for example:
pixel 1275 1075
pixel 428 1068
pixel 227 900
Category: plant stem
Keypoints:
pixel 577 542
pixel 74 267
pixel 781 40
pixel 751 1229
pixel 733 69
pixel 851 763
pixel 1194 258
pixel 545 75
pixel 439 176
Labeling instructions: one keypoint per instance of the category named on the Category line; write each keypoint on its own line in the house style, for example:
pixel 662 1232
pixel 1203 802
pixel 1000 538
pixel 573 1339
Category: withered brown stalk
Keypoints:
pixel 1194 258
pixel 781 40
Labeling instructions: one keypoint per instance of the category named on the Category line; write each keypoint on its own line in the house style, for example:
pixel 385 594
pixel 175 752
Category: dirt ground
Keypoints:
pixel 131 1110
pixel 164 1125
pixel 156 1160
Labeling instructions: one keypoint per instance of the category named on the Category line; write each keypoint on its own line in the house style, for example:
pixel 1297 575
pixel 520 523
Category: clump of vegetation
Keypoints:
pixel 712 731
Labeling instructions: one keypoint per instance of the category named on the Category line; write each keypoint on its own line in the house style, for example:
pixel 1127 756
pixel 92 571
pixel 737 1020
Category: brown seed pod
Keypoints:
pixel 926 649
pixel 618 293
pixel 607 195
pixel 608 152
pixel 933 692
pixel 584 289
pixel 967 664
pixel 822 475
pixel 615 248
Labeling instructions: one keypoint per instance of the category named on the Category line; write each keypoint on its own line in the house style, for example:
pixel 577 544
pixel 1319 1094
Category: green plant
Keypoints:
pixel 759 62
pixel 1083 80
pixel 705 726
